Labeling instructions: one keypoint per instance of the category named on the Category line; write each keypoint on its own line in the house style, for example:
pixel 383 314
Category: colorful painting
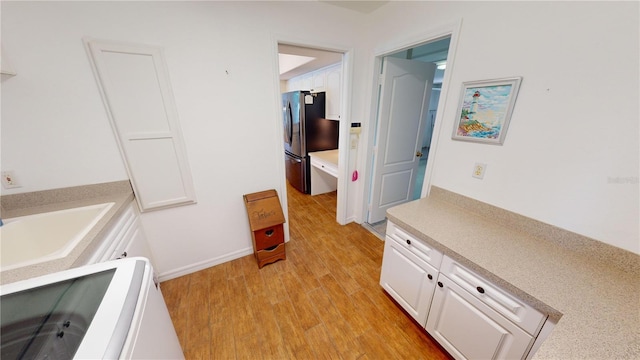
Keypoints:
pixel 485 110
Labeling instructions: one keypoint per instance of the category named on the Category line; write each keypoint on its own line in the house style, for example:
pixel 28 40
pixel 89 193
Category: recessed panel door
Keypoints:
pixel 468 329
pixel 409 280
pixel 134 84
pixel 404 101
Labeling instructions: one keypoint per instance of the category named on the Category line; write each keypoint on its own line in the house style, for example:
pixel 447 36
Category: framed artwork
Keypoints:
pixel 485 110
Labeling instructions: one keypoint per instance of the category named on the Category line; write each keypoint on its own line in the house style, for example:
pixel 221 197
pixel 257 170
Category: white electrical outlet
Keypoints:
pixel 478 170
pixel 9 180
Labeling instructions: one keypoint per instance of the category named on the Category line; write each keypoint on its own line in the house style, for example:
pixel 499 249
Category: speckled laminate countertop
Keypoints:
pixel 594 300
pixel 119 193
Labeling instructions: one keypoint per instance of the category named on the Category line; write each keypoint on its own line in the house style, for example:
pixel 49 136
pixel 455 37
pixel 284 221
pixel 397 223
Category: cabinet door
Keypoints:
pixel 469 329
pixel 134 84
pixel 135 244
pixel 306 82
pixel 109 243
pixel 408 279
pixel 334 95
pixel 318 79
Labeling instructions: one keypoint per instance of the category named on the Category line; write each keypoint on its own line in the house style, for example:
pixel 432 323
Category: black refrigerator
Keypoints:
pixel 305 130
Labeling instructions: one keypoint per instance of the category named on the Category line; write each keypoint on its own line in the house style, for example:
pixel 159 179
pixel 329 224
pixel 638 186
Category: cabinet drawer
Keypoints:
pixel 329 168
pixel 413 244
pixel 523 315
pixel 270 255
pixel 273 251
pixel 268 237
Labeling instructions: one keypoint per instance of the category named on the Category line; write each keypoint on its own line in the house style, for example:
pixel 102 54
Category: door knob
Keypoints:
pixel 418 154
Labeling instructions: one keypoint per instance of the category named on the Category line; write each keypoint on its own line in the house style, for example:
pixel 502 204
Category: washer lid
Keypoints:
pixel 81 313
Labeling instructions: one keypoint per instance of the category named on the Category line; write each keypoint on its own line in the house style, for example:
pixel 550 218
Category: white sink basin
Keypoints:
pixel 34 239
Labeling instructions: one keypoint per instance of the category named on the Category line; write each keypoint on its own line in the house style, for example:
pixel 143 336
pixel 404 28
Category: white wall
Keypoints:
pixel 571 153
pixel 222 61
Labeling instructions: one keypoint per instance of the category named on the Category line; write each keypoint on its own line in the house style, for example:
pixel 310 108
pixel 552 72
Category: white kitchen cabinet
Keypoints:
pixel 333 86
pixel 408 280
pixel 134 244
pixel 471 317
pixel 475 319
pixel 328 80
pixel 469 329
pixel 318 81
pixel 306 81
pixel 408 273
pixel 501 301
pixel 126 238
pixel 293 84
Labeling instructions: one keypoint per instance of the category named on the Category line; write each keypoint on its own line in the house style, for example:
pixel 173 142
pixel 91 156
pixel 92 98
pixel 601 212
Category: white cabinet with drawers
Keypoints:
pixel 501 301
pixel 474 319
pixel 125 239
pixel 471 317
pixel 409 272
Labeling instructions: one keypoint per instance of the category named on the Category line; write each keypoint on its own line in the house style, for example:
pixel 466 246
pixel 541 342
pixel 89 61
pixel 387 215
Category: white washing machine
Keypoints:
pixel 111 310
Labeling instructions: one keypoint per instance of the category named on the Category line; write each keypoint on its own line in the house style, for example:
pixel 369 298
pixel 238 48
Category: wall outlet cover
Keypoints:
pixel 479 170
pixel 9 180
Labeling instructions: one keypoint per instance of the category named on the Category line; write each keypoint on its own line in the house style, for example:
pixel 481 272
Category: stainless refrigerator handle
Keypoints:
pixel 290 121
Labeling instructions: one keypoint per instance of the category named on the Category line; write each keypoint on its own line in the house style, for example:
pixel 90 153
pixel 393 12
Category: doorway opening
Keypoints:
pixel 313 75
pixel 398 173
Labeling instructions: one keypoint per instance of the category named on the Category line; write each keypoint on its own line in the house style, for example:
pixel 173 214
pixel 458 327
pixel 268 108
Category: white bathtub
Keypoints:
pixel 34 239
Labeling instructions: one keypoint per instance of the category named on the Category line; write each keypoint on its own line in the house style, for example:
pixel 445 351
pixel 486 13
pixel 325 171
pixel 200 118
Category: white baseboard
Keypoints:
pixel 185 270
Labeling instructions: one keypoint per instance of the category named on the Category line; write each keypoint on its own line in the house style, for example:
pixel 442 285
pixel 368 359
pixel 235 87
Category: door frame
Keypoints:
pixel 448 30
pixel 345 122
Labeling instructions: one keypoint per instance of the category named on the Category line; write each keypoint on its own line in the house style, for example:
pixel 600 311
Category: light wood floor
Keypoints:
pixel 322 302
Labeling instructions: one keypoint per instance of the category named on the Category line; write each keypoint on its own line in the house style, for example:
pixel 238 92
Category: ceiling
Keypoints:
pixel 433 52
pixel 298 60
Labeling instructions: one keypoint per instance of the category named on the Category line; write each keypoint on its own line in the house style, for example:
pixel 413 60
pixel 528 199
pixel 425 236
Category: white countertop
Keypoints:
pixel 328 156
pixel 596 305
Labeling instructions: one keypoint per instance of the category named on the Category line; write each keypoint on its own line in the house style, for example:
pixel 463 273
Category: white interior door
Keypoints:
pixel 403 104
